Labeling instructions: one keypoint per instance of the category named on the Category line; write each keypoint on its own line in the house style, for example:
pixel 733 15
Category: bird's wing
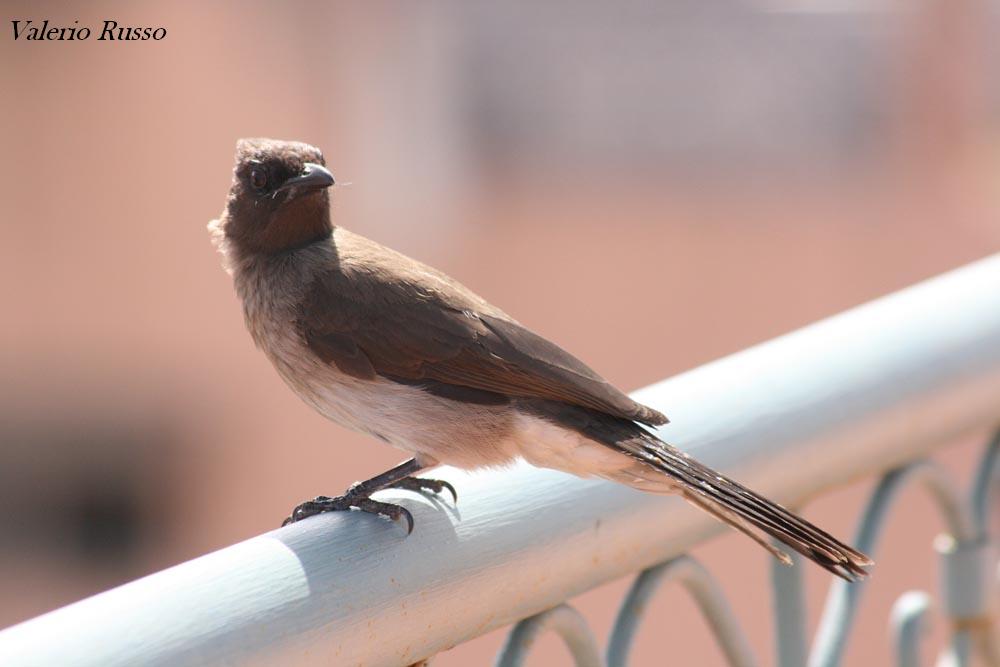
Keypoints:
pixel 368 325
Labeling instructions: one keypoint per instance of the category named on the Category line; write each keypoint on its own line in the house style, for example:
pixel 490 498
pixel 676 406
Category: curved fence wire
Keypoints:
pixel 970 580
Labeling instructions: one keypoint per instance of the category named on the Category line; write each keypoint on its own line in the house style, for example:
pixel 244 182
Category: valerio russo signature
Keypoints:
pixel 110 32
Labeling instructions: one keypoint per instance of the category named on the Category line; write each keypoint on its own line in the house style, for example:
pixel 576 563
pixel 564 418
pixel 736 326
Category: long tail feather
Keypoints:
pixel 745 510
pixel 739 523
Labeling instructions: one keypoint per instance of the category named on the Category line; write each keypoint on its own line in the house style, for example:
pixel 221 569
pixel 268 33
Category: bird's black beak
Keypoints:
pixel 313 176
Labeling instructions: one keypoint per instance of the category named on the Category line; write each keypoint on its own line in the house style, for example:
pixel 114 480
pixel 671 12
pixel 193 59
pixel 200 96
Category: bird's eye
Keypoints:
pixel 258 179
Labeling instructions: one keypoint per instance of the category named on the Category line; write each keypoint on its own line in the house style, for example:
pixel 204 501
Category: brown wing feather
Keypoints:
pixel 368 323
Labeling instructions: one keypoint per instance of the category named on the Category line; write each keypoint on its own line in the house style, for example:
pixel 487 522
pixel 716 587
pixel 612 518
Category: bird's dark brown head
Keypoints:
pixel 279 199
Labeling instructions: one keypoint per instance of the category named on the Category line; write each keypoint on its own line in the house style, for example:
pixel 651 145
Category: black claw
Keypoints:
pixel 421 484
pixel 409 519
pixel 451 489
pixel 393 512
pixel 317 505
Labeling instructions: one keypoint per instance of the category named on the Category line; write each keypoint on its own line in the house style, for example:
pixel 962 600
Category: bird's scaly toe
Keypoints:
pixel 421 484
pixel 322 504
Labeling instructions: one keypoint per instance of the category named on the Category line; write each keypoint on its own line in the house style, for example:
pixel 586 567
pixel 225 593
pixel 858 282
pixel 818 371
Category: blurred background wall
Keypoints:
pixel 712 172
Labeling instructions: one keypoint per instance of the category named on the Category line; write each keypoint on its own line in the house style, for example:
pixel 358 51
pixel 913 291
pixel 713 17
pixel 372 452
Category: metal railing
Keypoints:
pixel 868 392
pixel 969 580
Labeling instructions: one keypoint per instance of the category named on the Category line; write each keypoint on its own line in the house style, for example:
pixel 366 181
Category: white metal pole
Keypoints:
pixel 848 396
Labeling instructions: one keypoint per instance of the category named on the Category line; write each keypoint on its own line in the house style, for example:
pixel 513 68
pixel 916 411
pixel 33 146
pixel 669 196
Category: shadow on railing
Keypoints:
pixel 968 580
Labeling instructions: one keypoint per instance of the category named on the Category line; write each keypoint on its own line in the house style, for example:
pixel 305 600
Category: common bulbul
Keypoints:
pixel 385 345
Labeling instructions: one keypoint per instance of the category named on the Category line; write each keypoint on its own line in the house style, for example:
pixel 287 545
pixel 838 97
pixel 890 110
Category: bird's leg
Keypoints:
pixel 358 496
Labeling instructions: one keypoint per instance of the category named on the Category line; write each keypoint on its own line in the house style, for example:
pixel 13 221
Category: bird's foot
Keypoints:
pixel 421 484
pixel 349 501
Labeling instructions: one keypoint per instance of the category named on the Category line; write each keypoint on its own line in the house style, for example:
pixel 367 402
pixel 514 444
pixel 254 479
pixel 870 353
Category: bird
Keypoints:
pixel 385 345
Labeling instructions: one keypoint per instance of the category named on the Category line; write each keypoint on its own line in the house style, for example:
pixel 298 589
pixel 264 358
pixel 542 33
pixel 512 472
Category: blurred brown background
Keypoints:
pixel 712 173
